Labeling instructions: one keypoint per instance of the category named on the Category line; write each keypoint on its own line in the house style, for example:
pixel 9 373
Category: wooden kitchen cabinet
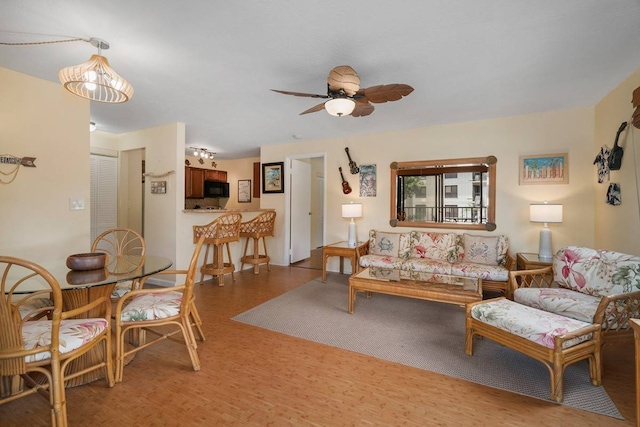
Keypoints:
pixel 193 183
pixel 215 175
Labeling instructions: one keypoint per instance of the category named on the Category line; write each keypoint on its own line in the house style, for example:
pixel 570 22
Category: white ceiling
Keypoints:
pixel 210 64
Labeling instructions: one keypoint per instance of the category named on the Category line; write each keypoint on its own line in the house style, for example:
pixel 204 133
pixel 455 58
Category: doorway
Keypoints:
pixel 304 209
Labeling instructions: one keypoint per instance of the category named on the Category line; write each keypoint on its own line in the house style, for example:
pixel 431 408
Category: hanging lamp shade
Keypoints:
pixel 95 79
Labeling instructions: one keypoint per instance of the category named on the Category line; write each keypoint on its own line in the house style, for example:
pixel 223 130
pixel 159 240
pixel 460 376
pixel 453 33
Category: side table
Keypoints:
pixel 343 250
pixel 530 261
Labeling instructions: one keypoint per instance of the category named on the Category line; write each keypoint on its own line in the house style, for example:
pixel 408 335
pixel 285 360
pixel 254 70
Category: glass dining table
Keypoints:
pixel 81 287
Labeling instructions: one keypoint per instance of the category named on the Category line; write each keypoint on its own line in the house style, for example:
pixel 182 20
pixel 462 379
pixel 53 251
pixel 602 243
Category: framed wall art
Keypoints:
pixel 244 191
pixel 544 169
pixel 272 177
pixel 368 178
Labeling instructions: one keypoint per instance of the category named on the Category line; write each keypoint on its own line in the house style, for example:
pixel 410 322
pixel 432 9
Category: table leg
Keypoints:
pixel 352 299
pixel 324 268
pixel 341 265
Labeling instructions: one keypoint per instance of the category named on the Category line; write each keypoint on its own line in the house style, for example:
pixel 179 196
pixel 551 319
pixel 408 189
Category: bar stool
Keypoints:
pixel 258 228
pixel 219 233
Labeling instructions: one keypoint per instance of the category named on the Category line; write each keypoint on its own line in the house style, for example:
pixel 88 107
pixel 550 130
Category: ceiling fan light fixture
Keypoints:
pixel 95 79
pixel 340 106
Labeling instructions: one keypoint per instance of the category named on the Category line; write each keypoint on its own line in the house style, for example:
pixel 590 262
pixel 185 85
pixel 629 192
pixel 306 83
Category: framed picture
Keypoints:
pixel 368 180
pixel 244 191
pixel 272 177
pixel 544 169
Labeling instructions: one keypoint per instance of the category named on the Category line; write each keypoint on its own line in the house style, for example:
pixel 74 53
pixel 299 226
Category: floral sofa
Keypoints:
pixel 590 285
pixel 466 255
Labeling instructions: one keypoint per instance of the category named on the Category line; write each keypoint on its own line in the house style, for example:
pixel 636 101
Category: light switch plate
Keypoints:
pixel 76 204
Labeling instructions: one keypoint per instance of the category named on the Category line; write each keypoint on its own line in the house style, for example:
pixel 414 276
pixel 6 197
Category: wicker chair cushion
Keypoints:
pixel 152 306
pixel 73 334
pixel 596 272
pixel 521 320
pixel 382 261
pixel 427 265
pixel 496 273
pixel 34 304
pixel 120 289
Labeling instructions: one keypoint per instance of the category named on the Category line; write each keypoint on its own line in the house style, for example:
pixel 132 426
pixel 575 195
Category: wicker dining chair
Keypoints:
pixel 260 227
pixel 116 242
pixel 218 234
pixel 35 354
pixel 146 309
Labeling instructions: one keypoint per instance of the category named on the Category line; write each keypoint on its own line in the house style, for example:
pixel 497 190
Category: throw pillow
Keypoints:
pixel 481 249
pixel 385 244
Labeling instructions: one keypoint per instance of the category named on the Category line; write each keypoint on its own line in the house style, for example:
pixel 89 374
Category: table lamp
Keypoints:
pixel 545 213
pixel 352 210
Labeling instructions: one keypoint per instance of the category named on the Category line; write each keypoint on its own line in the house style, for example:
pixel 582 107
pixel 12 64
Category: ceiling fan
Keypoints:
pixel 345 97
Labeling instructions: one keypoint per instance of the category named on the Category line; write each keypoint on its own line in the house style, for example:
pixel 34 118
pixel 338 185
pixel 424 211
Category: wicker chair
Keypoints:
pixel 35 354
pixel 116 242
pixel 218 234
pixel 258 228
pixel 144 310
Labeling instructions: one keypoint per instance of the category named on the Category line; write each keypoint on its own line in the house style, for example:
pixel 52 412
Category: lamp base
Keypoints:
pixel 353 241
pixel 544 250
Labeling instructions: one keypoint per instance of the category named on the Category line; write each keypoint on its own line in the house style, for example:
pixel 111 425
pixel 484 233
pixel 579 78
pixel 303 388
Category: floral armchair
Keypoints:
pixel 594 286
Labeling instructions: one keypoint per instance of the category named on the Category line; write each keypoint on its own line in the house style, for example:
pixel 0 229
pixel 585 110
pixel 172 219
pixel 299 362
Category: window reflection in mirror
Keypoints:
pixel 452 193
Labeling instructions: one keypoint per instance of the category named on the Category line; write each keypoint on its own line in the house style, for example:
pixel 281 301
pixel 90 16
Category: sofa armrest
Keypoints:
pixel 509 262
pixel 614 311
pixel 538 278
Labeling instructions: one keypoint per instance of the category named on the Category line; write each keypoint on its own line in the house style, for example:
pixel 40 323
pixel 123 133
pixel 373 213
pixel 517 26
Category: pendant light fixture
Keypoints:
pixel 95 79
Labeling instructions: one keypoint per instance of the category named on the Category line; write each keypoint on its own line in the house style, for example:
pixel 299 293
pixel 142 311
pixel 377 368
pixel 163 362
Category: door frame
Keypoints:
pixel 287 202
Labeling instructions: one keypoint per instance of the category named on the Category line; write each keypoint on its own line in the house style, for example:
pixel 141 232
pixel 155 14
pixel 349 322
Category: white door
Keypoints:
pixel 300 185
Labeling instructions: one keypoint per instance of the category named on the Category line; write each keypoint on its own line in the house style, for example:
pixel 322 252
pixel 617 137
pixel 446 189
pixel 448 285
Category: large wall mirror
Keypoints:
pixel 452 193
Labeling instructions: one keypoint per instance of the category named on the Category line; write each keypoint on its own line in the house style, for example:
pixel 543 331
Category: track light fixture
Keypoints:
pixel 202 152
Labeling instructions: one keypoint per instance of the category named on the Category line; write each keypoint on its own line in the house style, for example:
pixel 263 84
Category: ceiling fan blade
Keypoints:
pixel 314 109
pixel 306 95
pixel 385 93
pixel 362 109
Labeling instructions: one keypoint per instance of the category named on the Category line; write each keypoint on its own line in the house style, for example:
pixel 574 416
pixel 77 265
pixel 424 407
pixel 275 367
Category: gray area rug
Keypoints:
pixel 422 334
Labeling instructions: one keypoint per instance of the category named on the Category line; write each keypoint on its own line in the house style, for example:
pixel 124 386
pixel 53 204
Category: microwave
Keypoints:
pixel 216 189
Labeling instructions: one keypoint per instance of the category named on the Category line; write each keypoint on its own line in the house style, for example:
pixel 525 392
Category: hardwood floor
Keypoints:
pixel 254 377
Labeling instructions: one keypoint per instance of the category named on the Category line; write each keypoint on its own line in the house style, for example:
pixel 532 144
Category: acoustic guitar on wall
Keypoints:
pixel 346 188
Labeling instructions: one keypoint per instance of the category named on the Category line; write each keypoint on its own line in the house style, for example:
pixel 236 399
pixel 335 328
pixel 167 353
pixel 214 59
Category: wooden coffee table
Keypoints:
pixel 432 287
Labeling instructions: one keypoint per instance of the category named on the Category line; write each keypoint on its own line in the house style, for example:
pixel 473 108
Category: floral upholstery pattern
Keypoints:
pixel 436 253
pixel 152 306
pixel 561 301
pixel 535 325
pixel 596 272
pixel 438 246
pixel 73 334
pixel 486 272
pixel 33 304
pixel 120 289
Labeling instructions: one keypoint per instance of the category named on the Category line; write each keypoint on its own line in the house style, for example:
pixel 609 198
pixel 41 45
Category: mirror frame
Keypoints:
pixel 489 161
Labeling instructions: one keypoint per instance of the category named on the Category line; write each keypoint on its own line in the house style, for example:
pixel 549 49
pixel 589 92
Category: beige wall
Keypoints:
pixel 40 119
pixel 568 131
pixel 618 227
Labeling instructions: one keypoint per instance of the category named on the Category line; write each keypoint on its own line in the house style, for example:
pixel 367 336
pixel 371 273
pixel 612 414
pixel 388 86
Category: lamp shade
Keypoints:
pixel 352 210
pixel 96 80
pixel 545 213
pixel 339 106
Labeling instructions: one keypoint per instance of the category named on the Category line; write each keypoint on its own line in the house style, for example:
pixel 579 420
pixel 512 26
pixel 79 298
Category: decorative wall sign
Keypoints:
pixel 368 179
pixel 244 191
pixel 544 169
pixel 16 162
pixel 272 177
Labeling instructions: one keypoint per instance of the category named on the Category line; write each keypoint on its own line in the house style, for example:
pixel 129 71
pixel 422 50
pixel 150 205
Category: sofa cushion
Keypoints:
pixel 596 272
pixel 535 325
pixel 560 301
pixel 486 272
pixel 488 250
pixel 440 246
pixel 382 261
pixel 427 265
pixel 389 244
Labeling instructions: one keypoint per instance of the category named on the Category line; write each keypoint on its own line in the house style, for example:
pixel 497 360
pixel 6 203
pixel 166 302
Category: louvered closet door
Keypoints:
pixel 104 194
